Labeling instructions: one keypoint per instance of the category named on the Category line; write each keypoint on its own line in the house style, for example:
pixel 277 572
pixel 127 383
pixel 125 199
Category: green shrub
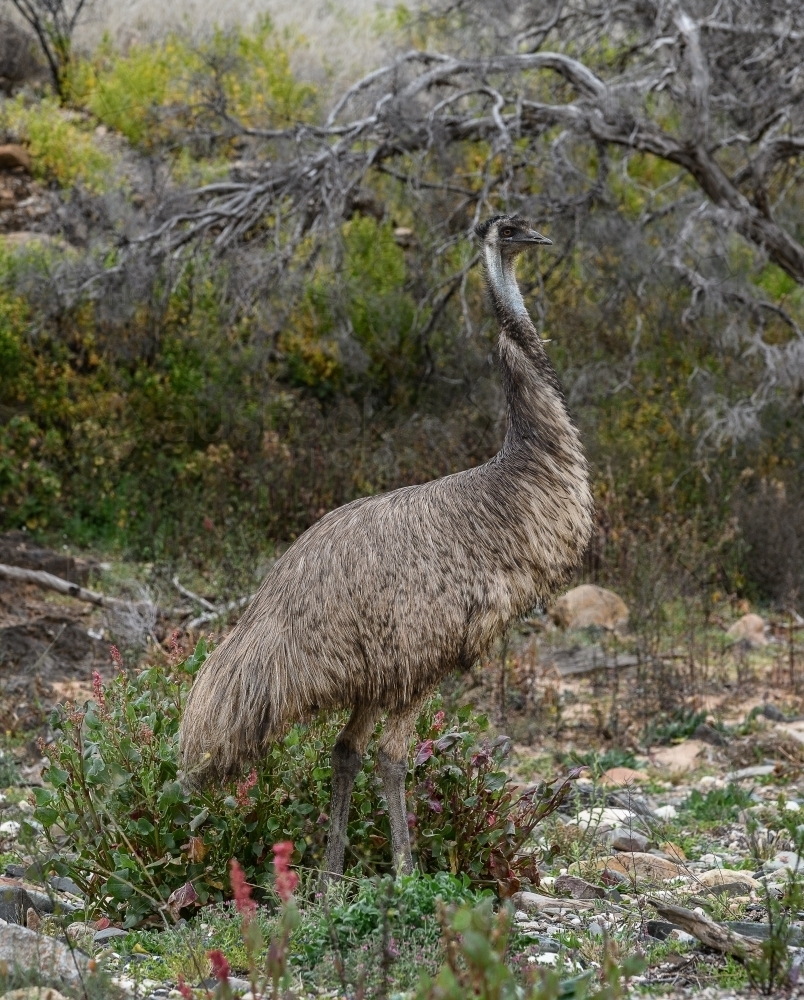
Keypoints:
pixel 61 149
pixel 153 93
pixel 470 819
pixel 136 835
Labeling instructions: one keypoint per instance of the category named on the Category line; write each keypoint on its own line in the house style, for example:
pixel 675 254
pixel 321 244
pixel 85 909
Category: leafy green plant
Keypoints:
pixel 774 968
pixel 155 93
pixel 673 727
pixel 469 817
pixel 476 942
pixel 61 150
pixel 721 805
pixel 600 762
pixel 141 844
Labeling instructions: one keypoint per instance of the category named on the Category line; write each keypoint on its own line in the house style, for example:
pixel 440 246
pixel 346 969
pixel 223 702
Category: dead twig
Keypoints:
pixel 713 935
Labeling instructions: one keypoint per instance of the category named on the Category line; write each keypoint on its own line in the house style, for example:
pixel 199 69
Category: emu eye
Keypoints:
pixel 508 232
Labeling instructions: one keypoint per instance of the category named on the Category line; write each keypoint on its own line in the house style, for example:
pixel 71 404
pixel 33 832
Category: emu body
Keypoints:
pixel 376 602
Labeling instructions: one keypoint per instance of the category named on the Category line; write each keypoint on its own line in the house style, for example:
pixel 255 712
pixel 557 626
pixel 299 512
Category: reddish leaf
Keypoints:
pixel 183 896
pixel 424 751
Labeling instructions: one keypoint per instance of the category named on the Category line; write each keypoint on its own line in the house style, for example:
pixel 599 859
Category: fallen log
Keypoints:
pixel 714 936
pixel 50 582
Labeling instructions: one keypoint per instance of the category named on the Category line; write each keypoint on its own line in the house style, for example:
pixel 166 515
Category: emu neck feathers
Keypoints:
pixel 537 411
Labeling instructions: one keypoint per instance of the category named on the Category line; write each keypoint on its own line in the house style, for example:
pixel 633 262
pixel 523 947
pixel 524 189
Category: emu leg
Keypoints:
pixel 347 760
pixel 393 774
pixel 392 763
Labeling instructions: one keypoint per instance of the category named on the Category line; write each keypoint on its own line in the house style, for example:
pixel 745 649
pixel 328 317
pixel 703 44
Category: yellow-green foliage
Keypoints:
pixel 154 89
pixel 61 146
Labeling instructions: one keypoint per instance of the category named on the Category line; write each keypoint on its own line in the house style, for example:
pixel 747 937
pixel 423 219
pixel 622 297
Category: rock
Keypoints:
pixel 640 866
pixel 606 818
pixel 17 549
pixel 727 876
pixel 708 734
pixel 81 934
pixel 623 777
pixel 623 839
pixel 34 993
pixel 762 932
pixel 773 713
pixel 17 897
pixel 63 884
pixel 665 812
pixel 530 901
pixel 659 929
pixel 679 758
pixel 759 771
pixel 585 659
pixel 673 851
pixel 108 933
pixel 13 157
pixel 578 888
pixel 26 949
pixel 749 629
pixel 14 903
pixel 787 860
pixel 729 890
pixel 589 605
pixel 19 59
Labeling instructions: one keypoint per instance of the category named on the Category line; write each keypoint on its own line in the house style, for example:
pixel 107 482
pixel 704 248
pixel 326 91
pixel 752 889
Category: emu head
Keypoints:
pixel 509 234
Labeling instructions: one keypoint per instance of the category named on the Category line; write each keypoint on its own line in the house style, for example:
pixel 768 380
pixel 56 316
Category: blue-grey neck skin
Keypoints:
pixel 502 279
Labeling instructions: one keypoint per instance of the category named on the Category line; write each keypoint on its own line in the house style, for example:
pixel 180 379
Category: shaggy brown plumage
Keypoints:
pixel 380 599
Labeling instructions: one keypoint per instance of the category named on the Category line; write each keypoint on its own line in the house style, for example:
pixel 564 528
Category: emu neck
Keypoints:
pixel 537 411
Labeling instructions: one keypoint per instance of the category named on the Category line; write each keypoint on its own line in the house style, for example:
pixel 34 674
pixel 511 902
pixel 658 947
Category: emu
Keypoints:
pixel 375 603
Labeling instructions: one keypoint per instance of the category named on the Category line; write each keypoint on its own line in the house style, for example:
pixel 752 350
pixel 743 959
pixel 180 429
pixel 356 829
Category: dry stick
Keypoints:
pixel 193 597
pixel 708 932
pixel 50 582
pixel 209 615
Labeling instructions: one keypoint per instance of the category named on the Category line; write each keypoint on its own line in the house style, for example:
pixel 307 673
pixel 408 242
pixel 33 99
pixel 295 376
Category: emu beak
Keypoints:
pixel 531 236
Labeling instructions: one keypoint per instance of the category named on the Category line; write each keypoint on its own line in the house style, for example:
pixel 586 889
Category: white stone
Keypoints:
pixel 548 958
pixel 682 936
pixel 666 812
pixel 792 806
pixel 10 828
pixel 606 818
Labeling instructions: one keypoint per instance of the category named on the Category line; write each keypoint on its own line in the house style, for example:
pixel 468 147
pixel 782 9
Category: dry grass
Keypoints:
pixel 339 38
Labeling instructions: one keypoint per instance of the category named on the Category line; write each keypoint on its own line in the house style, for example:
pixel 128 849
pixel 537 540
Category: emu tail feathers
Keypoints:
pixel 227 720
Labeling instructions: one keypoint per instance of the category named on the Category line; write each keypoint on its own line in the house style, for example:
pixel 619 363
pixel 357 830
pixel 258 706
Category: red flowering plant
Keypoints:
pixel 468 816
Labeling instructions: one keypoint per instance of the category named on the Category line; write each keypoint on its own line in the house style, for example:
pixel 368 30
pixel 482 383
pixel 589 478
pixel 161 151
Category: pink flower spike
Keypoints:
pixel 286 879
pixel 100 697
pixel 220 967
pixel 438 721
pixel 243 788
pixel 117 659
pixel 184 989
pixel 241 891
